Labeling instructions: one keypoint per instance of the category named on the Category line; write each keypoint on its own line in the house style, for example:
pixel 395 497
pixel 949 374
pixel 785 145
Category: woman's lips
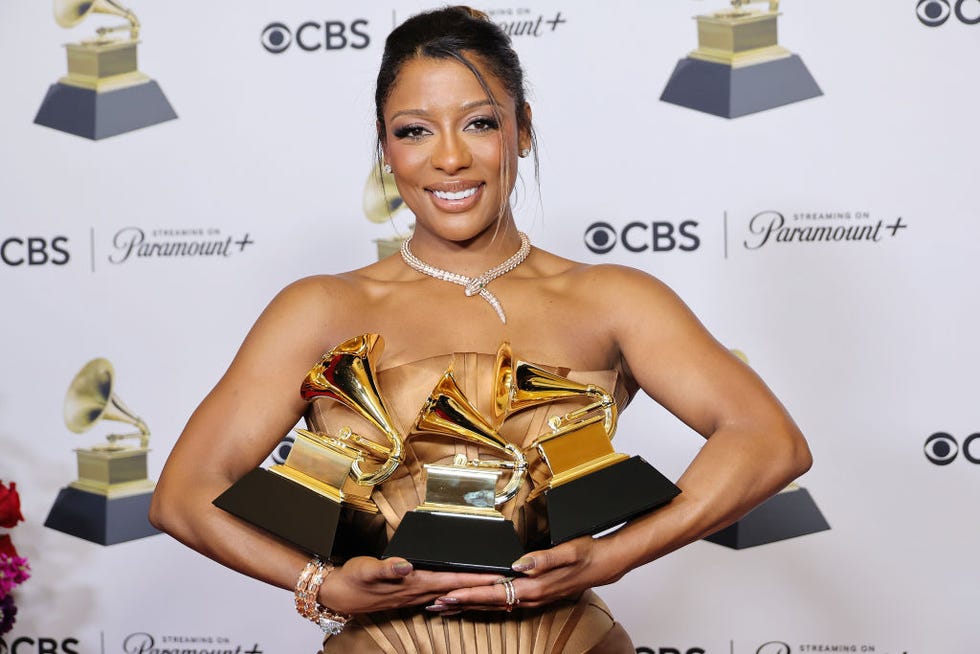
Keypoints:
pixel 455 198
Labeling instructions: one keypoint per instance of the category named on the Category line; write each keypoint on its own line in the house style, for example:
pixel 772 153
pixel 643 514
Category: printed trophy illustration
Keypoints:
pixel 458 527
pixel 789 513
pixel 381 201
pixel 104 93
pixel 109 501
pixel 302 499
pixel 592 487
pixel 738 67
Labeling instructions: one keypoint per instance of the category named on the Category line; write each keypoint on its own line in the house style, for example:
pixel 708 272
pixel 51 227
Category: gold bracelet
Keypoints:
pixel 308 590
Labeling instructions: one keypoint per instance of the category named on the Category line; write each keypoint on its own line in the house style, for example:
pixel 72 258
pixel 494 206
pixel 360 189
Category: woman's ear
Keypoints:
pixel 524 138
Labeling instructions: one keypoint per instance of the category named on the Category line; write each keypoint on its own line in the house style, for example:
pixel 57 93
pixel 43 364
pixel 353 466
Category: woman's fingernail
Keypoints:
pixel 436 608
pixel 448 600
pixel 403 567
pixel 523 564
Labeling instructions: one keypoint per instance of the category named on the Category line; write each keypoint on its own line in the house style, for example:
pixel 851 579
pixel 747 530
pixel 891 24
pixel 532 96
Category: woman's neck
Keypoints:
pixel 472 257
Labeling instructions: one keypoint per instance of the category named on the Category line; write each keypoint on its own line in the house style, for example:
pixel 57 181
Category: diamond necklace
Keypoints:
pixel 472 285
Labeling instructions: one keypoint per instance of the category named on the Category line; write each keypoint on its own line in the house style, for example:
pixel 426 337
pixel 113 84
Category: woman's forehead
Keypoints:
pixel 431 82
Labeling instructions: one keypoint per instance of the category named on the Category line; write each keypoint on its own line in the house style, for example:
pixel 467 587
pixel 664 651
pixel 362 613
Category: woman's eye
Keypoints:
pixel 482 124
pixel 410 132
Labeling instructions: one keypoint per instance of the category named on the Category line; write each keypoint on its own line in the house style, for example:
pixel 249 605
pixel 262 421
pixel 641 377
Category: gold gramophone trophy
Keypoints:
pixel 739 67
pixel 789 513
pixel 301 500
pixel 109 501
pixel 104 93
pixel 592 487
pixel 458 527
pixel 381 201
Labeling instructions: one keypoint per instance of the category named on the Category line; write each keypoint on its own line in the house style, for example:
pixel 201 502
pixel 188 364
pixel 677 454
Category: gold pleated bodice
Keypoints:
pixel 571 626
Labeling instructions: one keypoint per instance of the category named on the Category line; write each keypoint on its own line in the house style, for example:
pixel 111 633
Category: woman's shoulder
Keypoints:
pixel 607 277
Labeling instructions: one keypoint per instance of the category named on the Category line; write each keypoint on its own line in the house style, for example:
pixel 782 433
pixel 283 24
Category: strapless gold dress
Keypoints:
pixel 580 625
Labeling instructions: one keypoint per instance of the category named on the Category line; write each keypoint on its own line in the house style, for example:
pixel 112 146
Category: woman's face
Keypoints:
pixel 446 147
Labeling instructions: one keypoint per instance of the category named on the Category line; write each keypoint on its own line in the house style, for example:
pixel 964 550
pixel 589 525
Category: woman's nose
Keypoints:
pixel 451 154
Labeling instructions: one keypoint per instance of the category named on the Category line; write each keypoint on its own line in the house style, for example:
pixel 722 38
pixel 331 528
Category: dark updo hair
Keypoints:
pixel 453 33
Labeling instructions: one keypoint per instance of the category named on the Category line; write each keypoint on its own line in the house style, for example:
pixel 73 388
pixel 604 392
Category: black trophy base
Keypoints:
pixel 94 115
pixel 285 509
pixel 99 519
pixel 732 92
pixel 788 514
pixel 606 498
pixel 456 543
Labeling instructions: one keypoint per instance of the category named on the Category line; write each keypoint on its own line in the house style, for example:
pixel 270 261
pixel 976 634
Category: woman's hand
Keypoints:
pixel 364 584
pixel 561 572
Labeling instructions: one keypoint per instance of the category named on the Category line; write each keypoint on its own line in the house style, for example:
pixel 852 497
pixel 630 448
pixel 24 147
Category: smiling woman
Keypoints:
pixel 453 123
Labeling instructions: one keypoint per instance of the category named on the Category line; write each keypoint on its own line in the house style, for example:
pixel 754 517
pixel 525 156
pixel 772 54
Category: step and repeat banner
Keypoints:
pixel 803 174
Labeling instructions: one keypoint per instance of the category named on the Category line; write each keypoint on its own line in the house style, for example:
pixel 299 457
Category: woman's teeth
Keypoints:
pixel 459 195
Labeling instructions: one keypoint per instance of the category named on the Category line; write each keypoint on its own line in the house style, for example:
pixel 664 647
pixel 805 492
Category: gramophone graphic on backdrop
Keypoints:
pixel 109 501
pixel 739 67
pixel 104 93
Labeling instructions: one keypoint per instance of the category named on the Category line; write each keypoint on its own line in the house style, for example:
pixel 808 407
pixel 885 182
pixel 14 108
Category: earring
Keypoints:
pixel 387 169
pixel 524 153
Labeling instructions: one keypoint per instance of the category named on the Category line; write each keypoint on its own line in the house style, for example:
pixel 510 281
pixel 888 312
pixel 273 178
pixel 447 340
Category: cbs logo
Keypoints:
pixel 311 36
pixel 934 13
pixel 34 251
pixel 657 236
pixel 941 448
pixel 25 645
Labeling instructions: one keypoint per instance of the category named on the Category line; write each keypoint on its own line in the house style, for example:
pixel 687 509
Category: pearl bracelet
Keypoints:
pixel 308 590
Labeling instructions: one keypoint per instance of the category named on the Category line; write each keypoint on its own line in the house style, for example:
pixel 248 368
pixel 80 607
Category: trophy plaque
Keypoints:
pixel 738 67
pixel 302 499
pixel 104 93
pixel 787 514
pixel 592 487
pixel 457 527
pixel 109 501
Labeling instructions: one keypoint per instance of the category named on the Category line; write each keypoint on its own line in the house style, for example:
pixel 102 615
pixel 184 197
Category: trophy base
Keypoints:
pixel 788 514
pixel 606 498
pixel 98 115
pixel 286 509
pixel 100 519
pixel 436 541
pixel 731 92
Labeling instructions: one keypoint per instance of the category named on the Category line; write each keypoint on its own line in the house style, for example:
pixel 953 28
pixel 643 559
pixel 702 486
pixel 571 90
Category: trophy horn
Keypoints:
pixel 447 412
pixel 521 385
pixel 90 398
pixel 69 13
pixel 347 374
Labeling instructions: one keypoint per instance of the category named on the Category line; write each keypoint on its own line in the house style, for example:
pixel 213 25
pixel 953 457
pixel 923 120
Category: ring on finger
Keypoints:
pixel 510 595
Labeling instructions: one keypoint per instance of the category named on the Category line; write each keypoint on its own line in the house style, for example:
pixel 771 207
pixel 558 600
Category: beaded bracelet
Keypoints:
pixel 308 590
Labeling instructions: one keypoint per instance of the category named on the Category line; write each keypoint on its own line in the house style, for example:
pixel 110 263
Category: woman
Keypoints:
pixel 452 123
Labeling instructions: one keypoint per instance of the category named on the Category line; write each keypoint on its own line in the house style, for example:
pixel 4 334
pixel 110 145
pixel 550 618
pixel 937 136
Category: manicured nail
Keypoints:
pixel 448 600
pixel 436 608
pixel 403 567
pixel 523 564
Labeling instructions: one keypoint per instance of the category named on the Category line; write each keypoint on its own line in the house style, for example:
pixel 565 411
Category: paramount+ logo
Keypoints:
pixel 933 13
pixel 655 236
pixel 313 36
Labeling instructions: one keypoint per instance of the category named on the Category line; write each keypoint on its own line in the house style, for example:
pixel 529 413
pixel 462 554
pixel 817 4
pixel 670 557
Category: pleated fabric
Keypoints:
pixel 584 625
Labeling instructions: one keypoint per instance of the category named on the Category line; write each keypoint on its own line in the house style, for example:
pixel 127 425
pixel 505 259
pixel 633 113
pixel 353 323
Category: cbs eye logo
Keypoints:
pixel 942 449
pixel 934 13
pixel 655 236
pixel 312 35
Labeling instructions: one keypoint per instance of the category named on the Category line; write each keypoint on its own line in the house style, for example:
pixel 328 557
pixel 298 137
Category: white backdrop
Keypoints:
pixel 871 345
